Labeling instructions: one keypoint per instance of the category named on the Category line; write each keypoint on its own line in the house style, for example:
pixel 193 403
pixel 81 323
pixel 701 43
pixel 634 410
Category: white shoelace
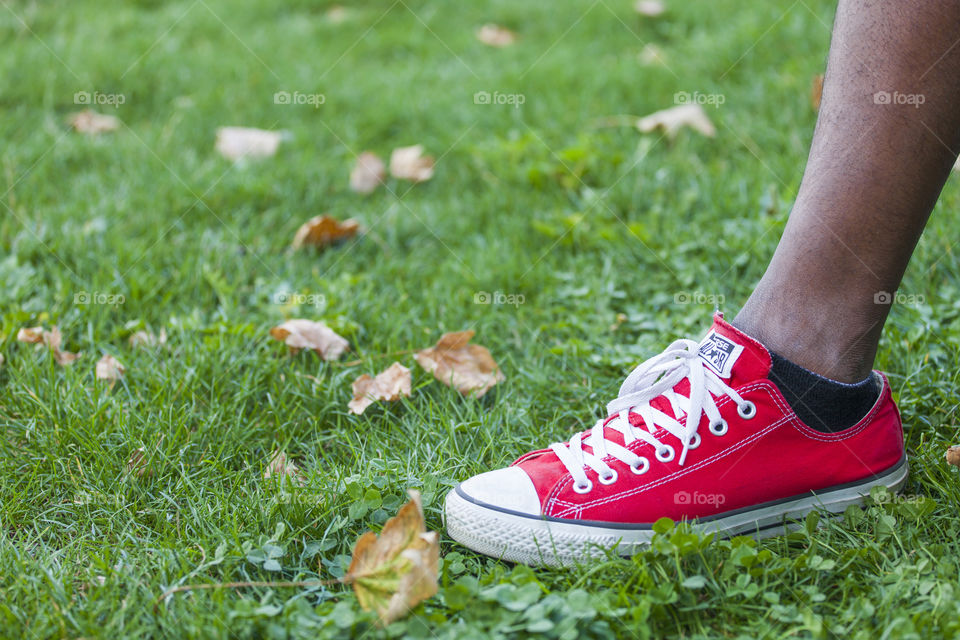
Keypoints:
pixel 654 378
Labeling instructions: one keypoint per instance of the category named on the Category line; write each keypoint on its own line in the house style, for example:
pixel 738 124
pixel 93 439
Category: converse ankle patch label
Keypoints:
pixel 719 353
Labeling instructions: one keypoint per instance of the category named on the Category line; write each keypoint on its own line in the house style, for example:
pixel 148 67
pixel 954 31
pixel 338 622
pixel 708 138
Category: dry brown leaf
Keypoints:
pixel 337 14
pixel 94 123
pixel 395 572
pixel 137 463
pixel 64 358
pixel 671 120
pixel 468 368
pixel 322 231
pixel 619 320
pixel 30 335
pixel 389 385
pixel 109 368
pixel 649 8
pixel 236 143
pixel 51 339
pixel 281 467
pixel 652 55
pixel 953 455
pixel 494 35
pixel 409 163
pixel 368 173
pixel 307 334
pixel 144 339
pixel 816 91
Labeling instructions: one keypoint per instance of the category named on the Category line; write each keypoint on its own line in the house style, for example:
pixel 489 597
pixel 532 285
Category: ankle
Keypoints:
pixel 839 349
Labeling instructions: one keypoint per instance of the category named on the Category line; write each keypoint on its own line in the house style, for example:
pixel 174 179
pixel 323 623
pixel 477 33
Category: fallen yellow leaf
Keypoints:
pixel 389 385
pixel 109 368
pixel 237 143
pixel 409 163
pixel 494 35
pixel 322 231
pixel 368 173
pixel 307 334
pixel 671 120
pixel 94 123
pixel 468 368
pixel 395 572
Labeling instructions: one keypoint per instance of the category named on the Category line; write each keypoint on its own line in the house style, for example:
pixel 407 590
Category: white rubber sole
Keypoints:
pixel 517 537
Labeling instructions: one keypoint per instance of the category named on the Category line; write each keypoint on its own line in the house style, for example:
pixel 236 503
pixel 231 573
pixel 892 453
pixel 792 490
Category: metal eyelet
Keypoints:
pixel 642 467
pixel 665 453
pixel 747 410
pixel 585 488
pixel 608 479
pixel 718 428
pixel 694 442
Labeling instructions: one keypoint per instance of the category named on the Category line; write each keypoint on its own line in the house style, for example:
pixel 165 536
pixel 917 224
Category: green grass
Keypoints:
pixel 585 222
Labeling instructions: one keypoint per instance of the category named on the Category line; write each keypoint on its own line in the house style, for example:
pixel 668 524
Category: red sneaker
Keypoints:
pixel 745 465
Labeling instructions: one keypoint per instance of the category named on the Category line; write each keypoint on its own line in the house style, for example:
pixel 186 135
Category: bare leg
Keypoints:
pixel 875 170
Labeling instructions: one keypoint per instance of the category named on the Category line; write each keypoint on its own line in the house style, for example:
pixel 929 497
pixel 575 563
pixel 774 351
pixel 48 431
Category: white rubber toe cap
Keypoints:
pixel 509 488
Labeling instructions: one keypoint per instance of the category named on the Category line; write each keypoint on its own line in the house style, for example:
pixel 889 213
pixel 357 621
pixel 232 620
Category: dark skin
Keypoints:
pixel 875 170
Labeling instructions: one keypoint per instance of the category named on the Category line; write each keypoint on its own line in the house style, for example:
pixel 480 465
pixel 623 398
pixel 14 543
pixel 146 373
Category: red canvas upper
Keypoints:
pixel 744 467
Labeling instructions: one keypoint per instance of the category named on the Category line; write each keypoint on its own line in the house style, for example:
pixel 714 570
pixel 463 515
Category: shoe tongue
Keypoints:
pixel 732 354
pixel 727 351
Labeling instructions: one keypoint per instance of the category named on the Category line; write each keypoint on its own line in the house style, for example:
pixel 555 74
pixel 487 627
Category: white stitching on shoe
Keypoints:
pixel 770 391
pixel 677 474
pixel 552 499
